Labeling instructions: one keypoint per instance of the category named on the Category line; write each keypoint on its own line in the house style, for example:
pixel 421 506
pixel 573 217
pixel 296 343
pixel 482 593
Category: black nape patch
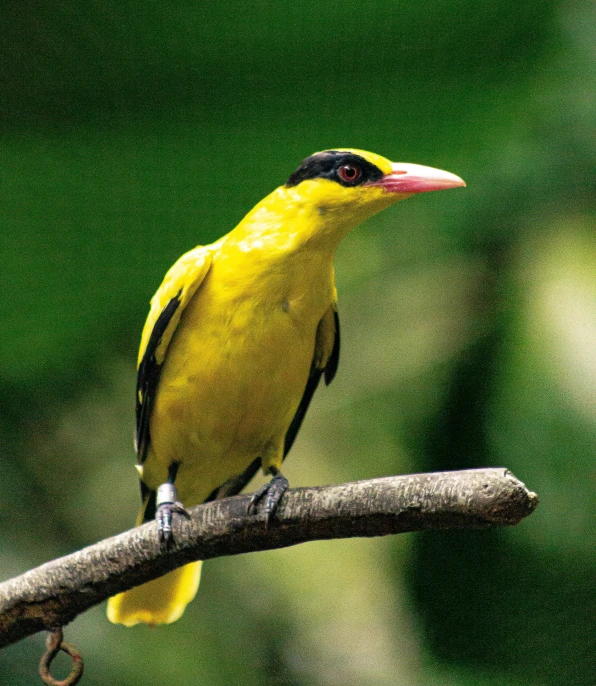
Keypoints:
pixel 325 165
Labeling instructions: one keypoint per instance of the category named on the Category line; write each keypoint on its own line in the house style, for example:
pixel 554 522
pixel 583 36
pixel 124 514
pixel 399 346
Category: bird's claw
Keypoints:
pixel 274 491
pixel 163 516
pixel 167 505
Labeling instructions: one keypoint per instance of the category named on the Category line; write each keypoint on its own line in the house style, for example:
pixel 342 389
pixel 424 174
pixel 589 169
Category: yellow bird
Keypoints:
pixel 236 341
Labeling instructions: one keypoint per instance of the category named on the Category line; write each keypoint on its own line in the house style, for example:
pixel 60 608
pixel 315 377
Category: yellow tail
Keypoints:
pixel 160 601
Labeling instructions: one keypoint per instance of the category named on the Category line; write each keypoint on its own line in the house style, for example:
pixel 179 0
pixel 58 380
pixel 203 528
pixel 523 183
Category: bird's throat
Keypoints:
pixel 288 221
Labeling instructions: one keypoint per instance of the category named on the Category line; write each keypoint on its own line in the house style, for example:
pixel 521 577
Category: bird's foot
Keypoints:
pixel 166 505
pixel 274 491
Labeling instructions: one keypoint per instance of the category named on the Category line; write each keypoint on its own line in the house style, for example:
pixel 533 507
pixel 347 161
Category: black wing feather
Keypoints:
pixel 311 386
pixel 333 361
pixel 148 377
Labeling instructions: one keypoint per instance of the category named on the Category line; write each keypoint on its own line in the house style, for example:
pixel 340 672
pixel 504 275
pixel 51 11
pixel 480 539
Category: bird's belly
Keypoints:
pixel 227 395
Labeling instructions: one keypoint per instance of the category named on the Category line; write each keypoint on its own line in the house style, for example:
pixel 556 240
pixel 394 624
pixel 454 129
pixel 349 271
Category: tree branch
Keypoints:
pixel 55 593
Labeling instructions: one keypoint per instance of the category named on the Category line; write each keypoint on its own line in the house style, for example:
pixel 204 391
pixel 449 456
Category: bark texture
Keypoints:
pixel 55 593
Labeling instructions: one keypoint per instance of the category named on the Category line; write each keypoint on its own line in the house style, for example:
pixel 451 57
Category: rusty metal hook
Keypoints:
pixel 55 644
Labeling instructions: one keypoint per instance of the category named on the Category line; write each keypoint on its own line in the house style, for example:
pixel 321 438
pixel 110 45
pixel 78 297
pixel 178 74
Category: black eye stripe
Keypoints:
pixel 324 165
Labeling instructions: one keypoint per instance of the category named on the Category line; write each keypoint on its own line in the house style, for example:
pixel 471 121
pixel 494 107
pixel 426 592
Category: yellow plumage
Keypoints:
pixel 255 314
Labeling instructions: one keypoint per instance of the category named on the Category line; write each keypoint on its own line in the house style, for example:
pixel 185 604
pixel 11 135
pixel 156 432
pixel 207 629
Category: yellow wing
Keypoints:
pixel 167 305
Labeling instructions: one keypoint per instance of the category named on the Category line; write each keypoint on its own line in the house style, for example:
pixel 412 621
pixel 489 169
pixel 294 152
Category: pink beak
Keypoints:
pixel 415 178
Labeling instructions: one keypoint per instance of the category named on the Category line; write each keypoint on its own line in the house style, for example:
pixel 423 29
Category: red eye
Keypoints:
pixel 349 173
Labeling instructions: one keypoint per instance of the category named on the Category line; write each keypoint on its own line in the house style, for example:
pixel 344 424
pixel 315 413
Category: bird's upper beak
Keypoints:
pixel 415 178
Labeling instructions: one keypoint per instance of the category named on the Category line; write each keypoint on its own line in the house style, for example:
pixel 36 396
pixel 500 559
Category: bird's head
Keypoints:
pixel 349 185
pixel 329 194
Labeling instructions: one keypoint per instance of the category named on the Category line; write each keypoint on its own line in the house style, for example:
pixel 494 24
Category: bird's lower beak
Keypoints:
pixel 415 178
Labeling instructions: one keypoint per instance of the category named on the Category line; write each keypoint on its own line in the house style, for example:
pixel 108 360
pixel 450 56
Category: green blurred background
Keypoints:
pixel 131 131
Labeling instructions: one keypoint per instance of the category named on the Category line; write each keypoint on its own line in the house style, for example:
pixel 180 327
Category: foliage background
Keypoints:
pixel 133 131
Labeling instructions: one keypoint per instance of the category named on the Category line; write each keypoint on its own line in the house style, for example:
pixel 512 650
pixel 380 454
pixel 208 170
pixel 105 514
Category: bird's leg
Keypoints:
pixel 274 491
pixel 166 504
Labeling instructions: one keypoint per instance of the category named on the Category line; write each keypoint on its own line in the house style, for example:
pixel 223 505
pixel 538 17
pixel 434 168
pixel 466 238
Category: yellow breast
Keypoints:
pixel 237 367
